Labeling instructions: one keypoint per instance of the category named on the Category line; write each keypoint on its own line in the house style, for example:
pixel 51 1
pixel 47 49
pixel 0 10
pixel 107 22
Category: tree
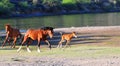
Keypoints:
pixel 52 5
pixel 5 7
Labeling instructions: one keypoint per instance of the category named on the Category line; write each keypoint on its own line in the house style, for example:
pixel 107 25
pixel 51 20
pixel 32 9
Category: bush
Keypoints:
pixel 5 7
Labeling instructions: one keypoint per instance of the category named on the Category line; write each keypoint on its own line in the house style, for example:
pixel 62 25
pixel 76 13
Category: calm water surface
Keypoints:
pixel 79 20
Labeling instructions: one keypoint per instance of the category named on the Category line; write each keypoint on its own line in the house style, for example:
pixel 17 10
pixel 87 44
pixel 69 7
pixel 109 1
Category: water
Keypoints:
pixel 79 20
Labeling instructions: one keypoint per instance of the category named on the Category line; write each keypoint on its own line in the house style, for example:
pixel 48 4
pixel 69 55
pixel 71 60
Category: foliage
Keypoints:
pixel 69 7
pixel 75 1
pixel 68 1
pixel 84 1
pixel 54 6
pixel 5 7
pixel 23 4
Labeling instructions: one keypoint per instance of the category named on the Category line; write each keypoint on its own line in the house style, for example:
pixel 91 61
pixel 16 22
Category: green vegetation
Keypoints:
pixel 75 1
pixel 74 51
pixel 5 7
pixel 37 7
pixel 69 1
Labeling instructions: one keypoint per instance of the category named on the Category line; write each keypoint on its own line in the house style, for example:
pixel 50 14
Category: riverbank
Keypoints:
pixel 25 8
pixel 92 29
pixel 40 14
pixel 96 46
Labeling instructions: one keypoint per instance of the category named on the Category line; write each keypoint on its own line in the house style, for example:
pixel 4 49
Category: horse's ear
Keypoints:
pixel 73 32
pixel 53 28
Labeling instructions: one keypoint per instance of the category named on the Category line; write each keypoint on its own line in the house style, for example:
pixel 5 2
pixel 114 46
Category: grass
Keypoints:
pixel 74 51
pixel 93 49
pixel 101 48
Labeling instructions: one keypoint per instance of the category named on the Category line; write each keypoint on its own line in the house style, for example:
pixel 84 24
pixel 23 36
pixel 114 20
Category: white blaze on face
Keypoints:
pixel 50 34
pixel 75 35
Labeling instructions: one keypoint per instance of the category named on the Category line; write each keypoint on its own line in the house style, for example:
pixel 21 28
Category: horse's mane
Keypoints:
pixel 47 28
pixel 8 25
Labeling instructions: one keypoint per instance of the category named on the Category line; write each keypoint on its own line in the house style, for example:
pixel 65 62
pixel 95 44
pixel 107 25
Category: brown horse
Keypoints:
pixel 37 34
pixel 12 33
pixel 66 37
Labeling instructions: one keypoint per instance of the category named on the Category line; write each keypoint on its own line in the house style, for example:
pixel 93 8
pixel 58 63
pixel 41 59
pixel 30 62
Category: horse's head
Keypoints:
pixel 7 27
pixel 74 34
pixel 49 31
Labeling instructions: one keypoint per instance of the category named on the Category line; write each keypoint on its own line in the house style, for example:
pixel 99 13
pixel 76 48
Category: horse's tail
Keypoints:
pixel 20 35
pixel 61 33
pixel 21 38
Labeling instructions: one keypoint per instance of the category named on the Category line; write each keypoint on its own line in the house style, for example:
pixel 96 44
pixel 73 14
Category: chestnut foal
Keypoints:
pixel 66 37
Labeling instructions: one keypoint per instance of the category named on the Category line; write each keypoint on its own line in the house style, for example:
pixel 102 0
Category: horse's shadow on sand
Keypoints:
pixel 6 48
pixel 90 39
pixel 81 39
pixel 85 39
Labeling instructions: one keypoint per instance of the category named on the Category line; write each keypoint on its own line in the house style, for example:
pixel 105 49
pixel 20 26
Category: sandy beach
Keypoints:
pixel 98 32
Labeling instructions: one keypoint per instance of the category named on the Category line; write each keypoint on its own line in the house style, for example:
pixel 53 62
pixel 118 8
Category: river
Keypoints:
pixel 60 21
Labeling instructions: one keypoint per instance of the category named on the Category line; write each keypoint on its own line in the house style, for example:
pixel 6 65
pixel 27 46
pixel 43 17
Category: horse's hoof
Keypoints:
pixel 29 51
pixel 38 51
pixel 18 50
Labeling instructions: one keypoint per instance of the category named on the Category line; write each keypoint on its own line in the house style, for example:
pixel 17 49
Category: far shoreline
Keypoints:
pixel 91 29
pixel 82 30
pixel 39 14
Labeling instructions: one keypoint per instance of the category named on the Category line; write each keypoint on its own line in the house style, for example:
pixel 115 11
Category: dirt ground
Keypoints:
pixel 110 32
pixel 47 61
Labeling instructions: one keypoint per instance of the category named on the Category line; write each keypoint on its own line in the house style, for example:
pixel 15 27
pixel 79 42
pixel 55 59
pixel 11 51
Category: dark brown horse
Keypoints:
pixel 39 35
pixel 66 37
pixel 11 33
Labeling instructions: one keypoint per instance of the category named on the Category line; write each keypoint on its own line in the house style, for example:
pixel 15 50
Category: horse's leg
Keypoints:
pixel 5 41
pixel 24 40
pixel 66 44
pixel 60 44
pixel 38 46
pixel 9 40
pixel 14 42
pixel 49 45
pixel 28 43
pixel 21 38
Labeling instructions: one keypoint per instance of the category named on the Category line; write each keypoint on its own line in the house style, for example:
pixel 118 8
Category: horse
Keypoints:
pixel 11 34
pixel 67 37
pixel 37 34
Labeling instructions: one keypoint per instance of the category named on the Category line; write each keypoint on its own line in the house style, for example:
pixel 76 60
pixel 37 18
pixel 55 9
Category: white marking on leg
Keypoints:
pixel 61 46
pixel 19 49
pixel 58 46
pixel 28 49
pixel 38 50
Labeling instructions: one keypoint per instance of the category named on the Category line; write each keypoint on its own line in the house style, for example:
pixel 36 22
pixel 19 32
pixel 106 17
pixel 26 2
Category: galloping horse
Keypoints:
pixel 66 37
pixel 37 34
pixel 12 33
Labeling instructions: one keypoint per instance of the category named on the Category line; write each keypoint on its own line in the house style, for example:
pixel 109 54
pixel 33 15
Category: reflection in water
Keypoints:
pixel 79 20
